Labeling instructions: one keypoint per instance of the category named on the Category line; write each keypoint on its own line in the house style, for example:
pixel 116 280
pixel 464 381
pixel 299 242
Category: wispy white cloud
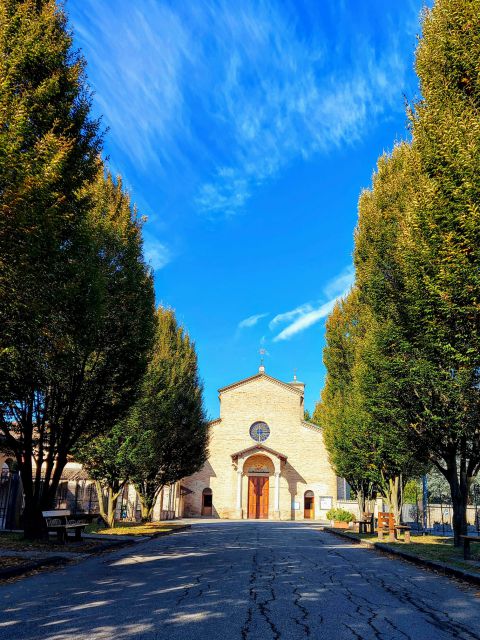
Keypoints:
pixel 157 254
pixel 340 283
pixel 137 53
pixel 288 316
pixel 306 315
pixel 251 321
pixel 306 320
pixel 284 96
pixel 226 95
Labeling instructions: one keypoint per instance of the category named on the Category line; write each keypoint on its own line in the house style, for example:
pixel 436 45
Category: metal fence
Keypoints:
pixel 79 496
pixel 10 499
pixel 438 514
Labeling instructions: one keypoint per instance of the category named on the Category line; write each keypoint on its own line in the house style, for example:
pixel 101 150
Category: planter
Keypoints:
pixel 337 524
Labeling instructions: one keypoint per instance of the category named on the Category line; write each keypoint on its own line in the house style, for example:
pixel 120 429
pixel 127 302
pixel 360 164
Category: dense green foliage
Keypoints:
pixel 76 299
pixel 167 425
pixel 366 447
pixel 442 252
pixel 106 460
pixel 417 259
pixel 339 411
pixel 340 515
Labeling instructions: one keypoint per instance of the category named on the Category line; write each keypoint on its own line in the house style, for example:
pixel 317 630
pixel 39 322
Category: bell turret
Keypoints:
pixel 297 384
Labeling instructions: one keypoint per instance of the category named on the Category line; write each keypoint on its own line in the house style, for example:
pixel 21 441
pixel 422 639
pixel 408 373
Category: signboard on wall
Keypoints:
pixel 326 502
pixel 296 505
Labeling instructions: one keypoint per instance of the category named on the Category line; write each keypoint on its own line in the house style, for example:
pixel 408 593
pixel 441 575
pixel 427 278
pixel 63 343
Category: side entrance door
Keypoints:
pixel 309 506
pixel 258 497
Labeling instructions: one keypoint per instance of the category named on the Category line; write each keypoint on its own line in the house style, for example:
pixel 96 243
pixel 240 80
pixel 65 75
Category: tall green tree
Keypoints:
pixel 76 298
pixel 106 459
pixel 383 373
pixel 442 248
pixel 340 410
pixel 129 320
pixel 48 150
pixel 365 432
pixel 167 426
pixel 417 255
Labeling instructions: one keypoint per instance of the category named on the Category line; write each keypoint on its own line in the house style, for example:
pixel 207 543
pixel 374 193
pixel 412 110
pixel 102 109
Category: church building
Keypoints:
pixel 265 460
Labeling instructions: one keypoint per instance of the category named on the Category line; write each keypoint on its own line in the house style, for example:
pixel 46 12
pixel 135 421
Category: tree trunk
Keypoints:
pixel 393 497
pixel 147 505
pixel 33 522
pixel 459 486
pixel 112 500
pixel 459 520
pixel 361 502
pixel 39 496
pixel 107 502
pixel 146 510
pixel 101 502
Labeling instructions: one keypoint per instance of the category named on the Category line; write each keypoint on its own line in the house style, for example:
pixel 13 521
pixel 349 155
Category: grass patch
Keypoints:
pixel 436 548
pixel 134 528
pixel 16 542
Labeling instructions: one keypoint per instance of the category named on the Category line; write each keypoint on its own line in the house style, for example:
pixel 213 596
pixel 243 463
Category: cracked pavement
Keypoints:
pixel 249 580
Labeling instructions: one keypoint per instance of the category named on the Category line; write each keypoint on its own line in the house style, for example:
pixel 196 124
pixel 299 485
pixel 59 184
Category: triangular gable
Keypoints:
pixel 259 376
pixel 258 447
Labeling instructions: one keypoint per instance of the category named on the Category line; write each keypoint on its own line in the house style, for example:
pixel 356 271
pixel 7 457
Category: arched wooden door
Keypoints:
pixel 258 487
pixel 309 505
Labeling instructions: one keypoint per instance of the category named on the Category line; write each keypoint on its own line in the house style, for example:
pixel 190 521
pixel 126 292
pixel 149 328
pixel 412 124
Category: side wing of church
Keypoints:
pixel 265 460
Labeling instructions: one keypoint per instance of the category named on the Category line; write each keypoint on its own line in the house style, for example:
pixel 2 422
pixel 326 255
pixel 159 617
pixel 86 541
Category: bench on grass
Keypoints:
pixel 58 520
pixel 466 545
pixel 386 524
pixel 365 523
pixel 399 528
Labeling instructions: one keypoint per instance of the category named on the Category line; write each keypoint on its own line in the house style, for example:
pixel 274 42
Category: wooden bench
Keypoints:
pixel 399 528
pixel 365 523
pixel 386 524
pixel 466 545
pixel 58 520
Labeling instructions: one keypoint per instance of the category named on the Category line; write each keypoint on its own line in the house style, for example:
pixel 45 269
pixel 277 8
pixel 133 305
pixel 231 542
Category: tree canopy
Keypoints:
pixel 417 260
pixel 167 425
pixel 76 298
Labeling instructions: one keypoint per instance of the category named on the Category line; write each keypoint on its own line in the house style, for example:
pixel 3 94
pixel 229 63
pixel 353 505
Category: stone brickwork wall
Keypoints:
pixel 262 398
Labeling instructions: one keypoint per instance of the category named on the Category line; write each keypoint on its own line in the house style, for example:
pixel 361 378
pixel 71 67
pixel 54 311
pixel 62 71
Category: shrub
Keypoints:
pixel 340 515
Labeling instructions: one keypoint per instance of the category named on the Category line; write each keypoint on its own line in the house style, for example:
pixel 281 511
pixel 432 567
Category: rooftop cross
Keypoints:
pixel 261 368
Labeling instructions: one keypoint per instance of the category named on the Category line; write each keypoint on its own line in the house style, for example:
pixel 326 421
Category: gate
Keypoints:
pixel 9 485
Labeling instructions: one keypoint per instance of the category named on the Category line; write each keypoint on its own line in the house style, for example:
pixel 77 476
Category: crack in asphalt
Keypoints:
pixel 440 620
pixel 261 593
pixel 249 581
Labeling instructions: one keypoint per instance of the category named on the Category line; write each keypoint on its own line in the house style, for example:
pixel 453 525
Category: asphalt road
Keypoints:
pixel 240 580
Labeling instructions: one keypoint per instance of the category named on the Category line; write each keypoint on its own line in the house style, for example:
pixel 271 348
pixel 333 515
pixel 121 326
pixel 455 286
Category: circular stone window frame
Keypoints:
pixel 254 429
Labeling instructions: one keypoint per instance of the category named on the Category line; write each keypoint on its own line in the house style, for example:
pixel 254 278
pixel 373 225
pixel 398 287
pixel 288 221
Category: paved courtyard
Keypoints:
pixel 240 580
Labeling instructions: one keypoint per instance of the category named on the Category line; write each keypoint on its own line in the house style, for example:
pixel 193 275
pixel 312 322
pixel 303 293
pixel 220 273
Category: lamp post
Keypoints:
pixel 425 500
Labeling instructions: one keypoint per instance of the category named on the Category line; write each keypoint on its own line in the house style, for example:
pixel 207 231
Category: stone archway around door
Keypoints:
pixel 258 469
pixel 267 460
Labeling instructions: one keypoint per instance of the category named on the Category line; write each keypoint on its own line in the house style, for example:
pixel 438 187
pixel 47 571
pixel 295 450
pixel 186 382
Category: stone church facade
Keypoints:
pixel 265 460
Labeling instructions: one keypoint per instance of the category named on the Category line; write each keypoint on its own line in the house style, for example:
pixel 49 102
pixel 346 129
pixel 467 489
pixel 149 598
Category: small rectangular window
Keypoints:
pixel 343 489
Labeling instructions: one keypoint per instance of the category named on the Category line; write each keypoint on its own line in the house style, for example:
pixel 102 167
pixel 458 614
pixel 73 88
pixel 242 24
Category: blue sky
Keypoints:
pixel 245 132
